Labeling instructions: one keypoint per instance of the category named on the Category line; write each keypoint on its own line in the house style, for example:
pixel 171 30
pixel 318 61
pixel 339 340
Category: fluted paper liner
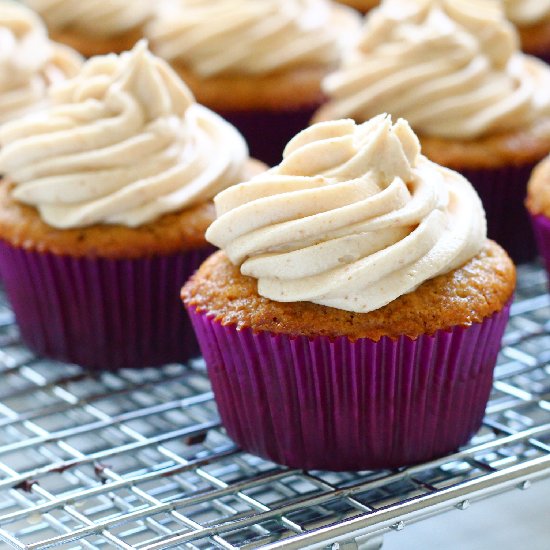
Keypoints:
pixel 267 132
pixel 337 404
pixel 502 192
pixel 541 228
pixel 101 313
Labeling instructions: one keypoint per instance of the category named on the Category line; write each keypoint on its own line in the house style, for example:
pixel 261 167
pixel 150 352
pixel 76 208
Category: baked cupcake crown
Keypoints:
pixel 123 143
pixel 452 68
pixel 250 36
pixel 29 62
pixel 352 218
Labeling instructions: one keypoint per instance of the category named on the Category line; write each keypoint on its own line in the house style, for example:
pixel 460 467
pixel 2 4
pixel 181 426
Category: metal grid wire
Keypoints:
pixel 138 460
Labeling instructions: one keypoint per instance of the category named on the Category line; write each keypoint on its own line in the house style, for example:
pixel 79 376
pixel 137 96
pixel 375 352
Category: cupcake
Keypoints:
pixel 532 18
pixel 103 209
pixel 360 5
pixel 29 62
pixel 258 64
pixel 538 206
pixel 95 27
pixel 452 68
pixel 353 317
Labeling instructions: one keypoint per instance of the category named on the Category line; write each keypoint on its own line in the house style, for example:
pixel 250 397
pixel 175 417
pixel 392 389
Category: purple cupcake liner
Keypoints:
pixel 268 132
pixel 541 228
pixel 544 57
pixel 101 313
pixel 542 54
pixel 502 192
pixel 334 404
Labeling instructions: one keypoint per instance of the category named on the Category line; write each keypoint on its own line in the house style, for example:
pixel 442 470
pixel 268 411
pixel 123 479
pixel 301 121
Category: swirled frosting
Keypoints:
pixel 103 17
pixel 452 68
pixel 527 12
pixel 250 36
pixel 123 143
pixel 352 218
pixel 29 62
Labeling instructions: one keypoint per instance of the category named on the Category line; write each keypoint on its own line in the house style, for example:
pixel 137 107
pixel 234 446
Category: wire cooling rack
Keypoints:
pixel 138 460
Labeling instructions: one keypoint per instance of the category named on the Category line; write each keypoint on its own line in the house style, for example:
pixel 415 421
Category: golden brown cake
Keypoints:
pixel 464 296
pixel 284 91
pixel 535 39
pixel 93 44
pixel 520 147
pixel 361 5
pixel 21 226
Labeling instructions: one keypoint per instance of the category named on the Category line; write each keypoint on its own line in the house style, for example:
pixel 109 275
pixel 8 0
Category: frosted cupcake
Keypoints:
pixel 532 18
pixel 29 62
pixel 259 64
pixel 538 205
pixel 353 318
pixel 95 27
pixel 454 70
pixel 103 209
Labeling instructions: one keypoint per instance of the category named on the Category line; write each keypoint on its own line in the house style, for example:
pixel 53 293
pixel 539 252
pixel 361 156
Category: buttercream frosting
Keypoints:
pixel 250 36
pixel 527 12
pixel 352 218
pixel 452 68
pixel 29 62
pixel 124 143
pixel 103 17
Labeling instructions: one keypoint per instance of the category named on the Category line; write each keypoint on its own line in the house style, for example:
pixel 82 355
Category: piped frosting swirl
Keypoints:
pixel 352 218
pixel 102 17
pixel 123 143
pixel 29 62
pixel 527 12
pixel 452 68
pixel 250 36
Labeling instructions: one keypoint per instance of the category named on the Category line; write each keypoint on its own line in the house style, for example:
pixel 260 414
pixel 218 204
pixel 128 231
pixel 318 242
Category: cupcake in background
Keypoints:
pixel 353 319
pixel 103 210
pixel 453 69
pixel 532 19
pixel 360 5
pixel 95 27
pixel 538 205
pixel 257 63
pixel 29 62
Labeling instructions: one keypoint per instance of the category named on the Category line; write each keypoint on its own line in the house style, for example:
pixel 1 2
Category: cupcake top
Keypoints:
pixel 452 68
pixel 102 17
pixel 250 36
pixel 123 143
pixel 352 218
pixel 29 62
pixel 527 12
